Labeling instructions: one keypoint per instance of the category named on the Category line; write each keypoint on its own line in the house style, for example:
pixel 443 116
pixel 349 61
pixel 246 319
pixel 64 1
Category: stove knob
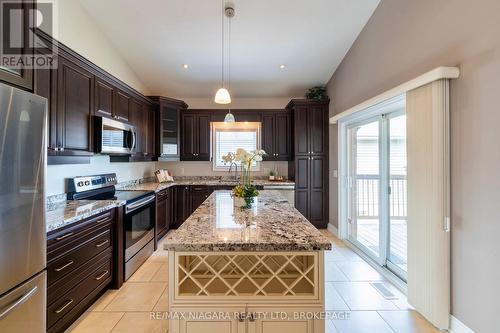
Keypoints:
pixel 79 184
pixel 87 183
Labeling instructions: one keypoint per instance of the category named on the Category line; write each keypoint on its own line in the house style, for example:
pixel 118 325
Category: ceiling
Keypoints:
pixel 156 37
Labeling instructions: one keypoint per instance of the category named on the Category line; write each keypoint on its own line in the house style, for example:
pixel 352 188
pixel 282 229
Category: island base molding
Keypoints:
pixel 246 292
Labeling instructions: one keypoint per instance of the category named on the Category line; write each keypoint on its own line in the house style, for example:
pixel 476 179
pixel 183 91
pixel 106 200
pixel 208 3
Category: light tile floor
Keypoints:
pixel 347 288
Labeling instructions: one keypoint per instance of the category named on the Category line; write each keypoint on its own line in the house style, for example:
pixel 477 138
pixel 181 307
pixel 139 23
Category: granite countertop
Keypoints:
pixel 64 213
pixel 157 187
pixel 272 224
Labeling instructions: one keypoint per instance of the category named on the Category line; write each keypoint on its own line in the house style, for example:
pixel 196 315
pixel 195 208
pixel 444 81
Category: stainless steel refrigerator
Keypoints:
pixel 23 280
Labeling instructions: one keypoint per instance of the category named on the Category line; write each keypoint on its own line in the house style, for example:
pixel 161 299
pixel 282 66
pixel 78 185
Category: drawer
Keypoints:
pixel 76 234
pixel 98 277
pixel 60 287
pixel 96 242
pixel 162 195
pixel 199 189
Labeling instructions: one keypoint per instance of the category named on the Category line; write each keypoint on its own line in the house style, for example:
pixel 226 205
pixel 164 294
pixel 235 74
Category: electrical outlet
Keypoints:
pixel 182 171
pixel 335 174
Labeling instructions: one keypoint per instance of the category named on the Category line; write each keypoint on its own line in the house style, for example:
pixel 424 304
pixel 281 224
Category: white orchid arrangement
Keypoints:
pixel 246 159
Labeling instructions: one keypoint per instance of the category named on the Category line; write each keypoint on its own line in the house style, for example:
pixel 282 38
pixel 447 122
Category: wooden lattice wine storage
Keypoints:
pixel 246 275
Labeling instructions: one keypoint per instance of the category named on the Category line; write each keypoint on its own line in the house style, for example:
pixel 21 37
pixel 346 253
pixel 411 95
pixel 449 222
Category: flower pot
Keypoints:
pixel 271 177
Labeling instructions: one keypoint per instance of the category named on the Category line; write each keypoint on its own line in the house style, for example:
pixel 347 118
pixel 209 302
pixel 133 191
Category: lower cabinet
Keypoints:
pixel 163 212
pixel 79 268
pixel 225 320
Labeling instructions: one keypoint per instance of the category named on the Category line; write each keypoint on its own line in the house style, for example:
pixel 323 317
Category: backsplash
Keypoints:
pixel 182 169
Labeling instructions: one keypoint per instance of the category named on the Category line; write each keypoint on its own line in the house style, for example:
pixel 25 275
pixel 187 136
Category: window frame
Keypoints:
pixel 216 126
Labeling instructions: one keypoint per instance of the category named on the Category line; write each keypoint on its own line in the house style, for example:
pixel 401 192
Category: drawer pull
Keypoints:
pixel 71 262
pixel 64 236
pixel 61 309
pixel 103 220
pixel 102 275
pixel 102 243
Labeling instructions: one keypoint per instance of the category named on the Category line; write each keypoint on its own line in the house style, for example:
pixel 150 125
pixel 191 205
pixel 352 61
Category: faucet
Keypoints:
pixel 235 170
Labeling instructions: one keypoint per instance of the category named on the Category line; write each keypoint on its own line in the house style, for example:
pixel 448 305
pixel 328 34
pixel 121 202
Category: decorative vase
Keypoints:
pixel 245 203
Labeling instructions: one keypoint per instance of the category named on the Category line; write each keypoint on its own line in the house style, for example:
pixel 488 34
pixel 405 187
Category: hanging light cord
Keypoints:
pixel 223 37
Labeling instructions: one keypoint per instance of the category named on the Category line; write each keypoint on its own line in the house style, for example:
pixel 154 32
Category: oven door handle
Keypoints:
pixel 139 204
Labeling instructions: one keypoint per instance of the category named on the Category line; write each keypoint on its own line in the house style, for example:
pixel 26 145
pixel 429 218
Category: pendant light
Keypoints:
pixel 223 96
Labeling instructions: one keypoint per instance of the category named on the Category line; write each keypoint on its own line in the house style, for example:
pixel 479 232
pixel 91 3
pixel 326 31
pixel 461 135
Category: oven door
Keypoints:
pixel 139 225
pixel 114 137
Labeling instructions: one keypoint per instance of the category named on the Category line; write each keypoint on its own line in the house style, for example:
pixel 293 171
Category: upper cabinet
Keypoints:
pixel 169 121
pixel 20 76
pixel 276 136
pixel 195 136
pixel 76 91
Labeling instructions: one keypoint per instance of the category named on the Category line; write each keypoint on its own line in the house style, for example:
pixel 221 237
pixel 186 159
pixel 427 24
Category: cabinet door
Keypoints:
pixel 302 146
pixel 121 106
pixel 198 195
pixel 302 185
pixel 203 138
pixel 22 77
pixel 161 214
pixel 188 136
pixel 268 137
pixel 150 130
pixel 221 324
pixel 318 190
pixel 282 142
pixel 44 85
pixel 137 119
pixel 280 320
pixel 103 99
pixel 74 107
pixel 319 129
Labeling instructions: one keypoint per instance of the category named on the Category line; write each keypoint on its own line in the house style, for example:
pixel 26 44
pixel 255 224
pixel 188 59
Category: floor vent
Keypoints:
pixel 383 290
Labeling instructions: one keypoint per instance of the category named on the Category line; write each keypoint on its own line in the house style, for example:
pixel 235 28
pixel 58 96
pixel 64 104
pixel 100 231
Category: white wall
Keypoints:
pixel 78 31
pixel 57 174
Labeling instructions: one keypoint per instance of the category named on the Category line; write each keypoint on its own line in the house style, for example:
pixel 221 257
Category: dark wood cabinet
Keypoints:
pixel 198 194
pixel 195 137
pixel 80 266
pixel 121 106
pixel 168 126
pixel 276 136
pixel 163 212
pixel 310 165
pixel 104 93
pixel 183 205
pixel 20 76
pixel 75 98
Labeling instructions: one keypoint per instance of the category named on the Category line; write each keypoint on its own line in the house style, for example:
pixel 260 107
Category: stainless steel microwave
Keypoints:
pixel 113 137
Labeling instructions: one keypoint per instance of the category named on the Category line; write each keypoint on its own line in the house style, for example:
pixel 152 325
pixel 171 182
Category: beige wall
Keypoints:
pixel 402 40
pixel 77 30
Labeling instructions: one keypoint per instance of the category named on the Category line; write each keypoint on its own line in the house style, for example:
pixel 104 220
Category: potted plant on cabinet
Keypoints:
pixel 245 189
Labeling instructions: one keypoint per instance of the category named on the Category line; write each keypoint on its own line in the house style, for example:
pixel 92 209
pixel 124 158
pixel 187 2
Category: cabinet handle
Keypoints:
pixel 102 275
pixel 103 243
pixel 61 309
pixel 71 262
pixel 4 312
pixel 64 236
pixel 102 220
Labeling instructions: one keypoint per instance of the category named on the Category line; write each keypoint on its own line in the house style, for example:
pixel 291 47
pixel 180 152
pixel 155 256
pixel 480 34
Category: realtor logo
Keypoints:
pixel 20 47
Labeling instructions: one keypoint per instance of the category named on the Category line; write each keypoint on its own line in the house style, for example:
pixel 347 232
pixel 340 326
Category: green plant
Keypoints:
pixel 317 93
pixel 272 173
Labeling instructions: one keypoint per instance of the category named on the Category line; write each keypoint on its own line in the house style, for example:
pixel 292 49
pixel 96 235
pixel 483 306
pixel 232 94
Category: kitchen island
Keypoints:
pixel 246 270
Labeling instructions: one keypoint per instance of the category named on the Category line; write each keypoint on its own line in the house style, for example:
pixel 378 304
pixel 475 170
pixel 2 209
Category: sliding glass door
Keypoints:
pixel 376 149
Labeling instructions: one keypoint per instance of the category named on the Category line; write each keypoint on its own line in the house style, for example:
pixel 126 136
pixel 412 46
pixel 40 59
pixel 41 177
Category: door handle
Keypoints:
pixel 61 309
pixel 64 236
pixel 71 262
pixel 9 308
pixel 102 243
pixel 102 275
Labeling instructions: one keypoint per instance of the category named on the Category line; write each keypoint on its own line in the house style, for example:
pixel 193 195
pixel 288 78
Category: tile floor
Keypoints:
pixel 347 287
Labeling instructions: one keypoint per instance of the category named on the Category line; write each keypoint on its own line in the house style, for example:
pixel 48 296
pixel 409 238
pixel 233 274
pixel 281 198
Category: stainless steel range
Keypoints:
pixel 138 217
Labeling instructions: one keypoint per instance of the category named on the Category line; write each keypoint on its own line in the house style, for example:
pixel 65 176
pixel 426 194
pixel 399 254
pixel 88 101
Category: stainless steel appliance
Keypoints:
pixel 138 218
pixel 113 137
pixel 23 279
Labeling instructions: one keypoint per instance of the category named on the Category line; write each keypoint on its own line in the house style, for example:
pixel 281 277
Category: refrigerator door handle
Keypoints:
pixel 17 302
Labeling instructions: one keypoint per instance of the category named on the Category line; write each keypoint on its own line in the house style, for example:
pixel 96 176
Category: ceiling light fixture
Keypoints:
pixel 283 66
pixel 185 66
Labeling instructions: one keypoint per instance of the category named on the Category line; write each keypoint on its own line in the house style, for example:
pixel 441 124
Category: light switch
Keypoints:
pixel 335 174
